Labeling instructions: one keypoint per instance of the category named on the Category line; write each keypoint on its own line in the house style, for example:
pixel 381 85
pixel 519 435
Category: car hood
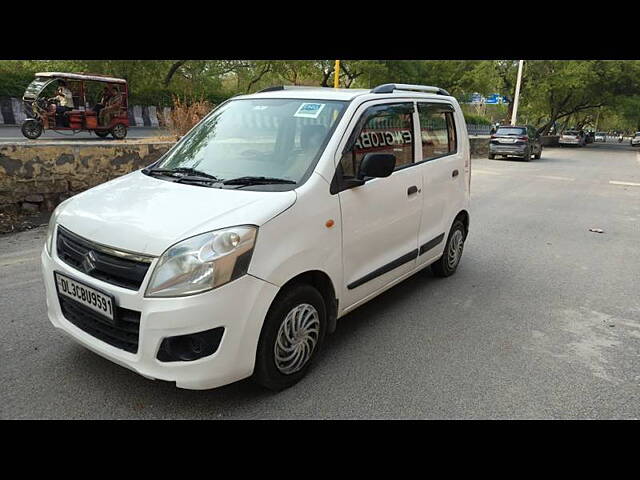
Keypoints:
pixel 147 215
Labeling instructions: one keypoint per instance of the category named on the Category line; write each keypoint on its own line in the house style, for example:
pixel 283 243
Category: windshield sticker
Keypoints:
pixel 309 110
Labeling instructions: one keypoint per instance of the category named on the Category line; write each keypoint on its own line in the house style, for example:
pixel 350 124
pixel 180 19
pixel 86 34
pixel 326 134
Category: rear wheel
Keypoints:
pixel 119 131
pixel 31 129
pixel 448 263
pixel 527 155
pixel 101 133
pixel 291 336
pixel 538 155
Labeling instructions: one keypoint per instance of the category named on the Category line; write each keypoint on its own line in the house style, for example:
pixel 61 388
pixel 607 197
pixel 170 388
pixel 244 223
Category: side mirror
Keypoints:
pixel 376 165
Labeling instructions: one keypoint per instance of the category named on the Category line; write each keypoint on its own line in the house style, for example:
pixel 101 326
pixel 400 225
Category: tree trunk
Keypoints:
pixel 174 68
pixel 266 69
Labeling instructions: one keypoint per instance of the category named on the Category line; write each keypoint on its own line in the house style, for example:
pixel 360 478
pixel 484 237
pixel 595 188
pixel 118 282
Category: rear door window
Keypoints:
pixel 437 130
pixel 511 131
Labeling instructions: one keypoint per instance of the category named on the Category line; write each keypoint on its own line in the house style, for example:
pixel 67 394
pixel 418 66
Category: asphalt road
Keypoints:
pixel 10 134
pixel 542 320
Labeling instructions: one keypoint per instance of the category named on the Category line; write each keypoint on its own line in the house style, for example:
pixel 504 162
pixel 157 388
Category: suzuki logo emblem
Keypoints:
pixel 89 262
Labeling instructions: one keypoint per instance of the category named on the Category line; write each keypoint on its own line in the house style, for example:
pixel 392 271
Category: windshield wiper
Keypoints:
pixel 187 170
pixel 250 180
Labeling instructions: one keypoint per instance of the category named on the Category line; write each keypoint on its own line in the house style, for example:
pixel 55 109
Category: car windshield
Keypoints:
pixel 511 131
pixel 272 138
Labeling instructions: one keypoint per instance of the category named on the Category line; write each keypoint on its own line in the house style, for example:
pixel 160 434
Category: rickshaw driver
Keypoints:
pixel 64 97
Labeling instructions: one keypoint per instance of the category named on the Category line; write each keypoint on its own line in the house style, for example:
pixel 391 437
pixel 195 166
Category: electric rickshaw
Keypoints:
pixel 99 105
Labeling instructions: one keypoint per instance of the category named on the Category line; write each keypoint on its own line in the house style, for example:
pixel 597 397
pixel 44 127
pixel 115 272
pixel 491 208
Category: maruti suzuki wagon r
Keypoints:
pixel 236 252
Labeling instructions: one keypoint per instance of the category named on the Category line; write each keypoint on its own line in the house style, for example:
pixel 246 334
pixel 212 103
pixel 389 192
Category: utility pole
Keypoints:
pixel 514 115
pixel 336 74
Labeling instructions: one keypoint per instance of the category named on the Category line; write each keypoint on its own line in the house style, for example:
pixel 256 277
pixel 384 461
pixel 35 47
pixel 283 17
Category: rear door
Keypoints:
pixel 442 168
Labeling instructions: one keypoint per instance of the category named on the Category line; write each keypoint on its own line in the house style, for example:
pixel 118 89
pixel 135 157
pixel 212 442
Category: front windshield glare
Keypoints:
pixel 259 137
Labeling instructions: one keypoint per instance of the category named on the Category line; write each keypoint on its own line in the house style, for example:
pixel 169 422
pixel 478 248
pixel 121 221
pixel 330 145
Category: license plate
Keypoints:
pixel 87 296
pixel 507 140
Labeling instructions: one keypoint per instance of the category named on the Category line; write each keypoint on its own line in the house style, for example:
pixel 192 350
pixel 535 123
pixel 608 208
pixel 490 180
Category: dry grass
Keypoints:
pixel 186 113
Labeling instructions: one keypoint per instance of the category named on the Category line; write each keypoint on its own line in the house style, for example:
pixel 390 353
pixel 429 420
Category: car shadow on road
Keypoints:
pixel 139 397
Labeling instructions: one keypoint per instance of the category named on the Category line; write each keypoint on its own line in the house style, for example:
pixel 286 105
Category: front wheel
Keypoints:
pixel 32 129
pixel 291 336
pixel 448 263
pixel 119 131
pixel 491 156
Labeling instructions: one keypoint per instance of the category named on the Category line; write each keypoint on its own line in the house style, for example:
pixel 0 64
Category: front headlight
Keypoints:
pixel 203 262
pixel 48 243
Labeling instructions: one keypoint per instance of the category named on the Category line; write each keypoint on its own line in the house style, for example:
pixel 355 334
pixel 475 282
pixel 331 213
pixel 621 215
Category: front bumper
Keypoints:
pixel 240 307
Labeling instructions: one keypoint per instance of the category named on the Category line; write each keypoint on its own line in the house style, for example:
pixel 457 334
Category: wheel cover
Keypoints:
pixel 297 338
pixel 454 252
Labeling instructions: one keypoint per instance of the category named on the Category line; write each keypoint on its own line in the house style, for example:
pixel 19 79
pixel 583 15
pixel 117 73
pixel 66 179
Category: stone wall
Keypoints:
pixel 36 177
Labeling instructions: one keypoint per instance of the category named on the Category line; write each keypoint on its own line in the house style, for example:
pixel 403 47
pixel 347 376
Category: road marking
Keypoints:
pixel 629 184
pixel 551 177
pixel 485 172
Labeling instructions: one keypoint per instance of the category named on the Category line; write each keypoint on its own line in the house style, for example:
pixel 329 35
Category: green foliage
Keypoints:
pixel 476 119
pixel 553 91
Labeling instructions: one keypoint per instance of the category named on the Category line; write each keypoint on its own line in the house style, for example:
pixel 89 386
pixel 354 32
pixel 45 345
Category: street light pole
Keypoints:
pixel 514 115
pixel 336 74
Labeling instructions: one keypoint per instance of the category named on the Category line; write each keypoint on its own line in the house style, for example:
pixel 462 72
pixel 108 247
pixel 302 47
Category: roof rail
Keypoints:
pixel 391 87
pixel 284 87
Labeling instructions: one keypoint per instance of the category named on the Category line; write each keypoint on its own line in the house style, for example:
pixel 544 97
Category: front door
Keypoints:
pixel 380 219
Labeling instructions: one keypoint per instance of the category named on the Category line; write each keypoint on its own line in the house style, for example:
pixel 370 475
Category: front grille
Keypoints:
pixel 124 334
pixel 92 259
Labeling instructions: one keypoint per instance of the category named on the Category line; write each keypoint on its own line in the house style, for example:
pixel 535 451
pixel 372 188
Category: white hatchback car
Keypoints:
pixel 280 212
pixel 635 141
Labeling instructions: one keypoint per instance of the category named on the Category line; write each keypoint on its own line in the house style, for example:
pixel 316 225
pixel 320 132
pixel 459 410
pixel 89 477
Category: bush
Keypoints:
pixel 186 113
pixel 14 84
pixel 476 119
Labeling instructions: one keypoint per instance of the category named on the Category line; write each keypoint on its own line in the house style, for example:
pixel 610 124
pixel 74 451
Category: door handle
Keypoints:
pixel 412 190
pixel 454 174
